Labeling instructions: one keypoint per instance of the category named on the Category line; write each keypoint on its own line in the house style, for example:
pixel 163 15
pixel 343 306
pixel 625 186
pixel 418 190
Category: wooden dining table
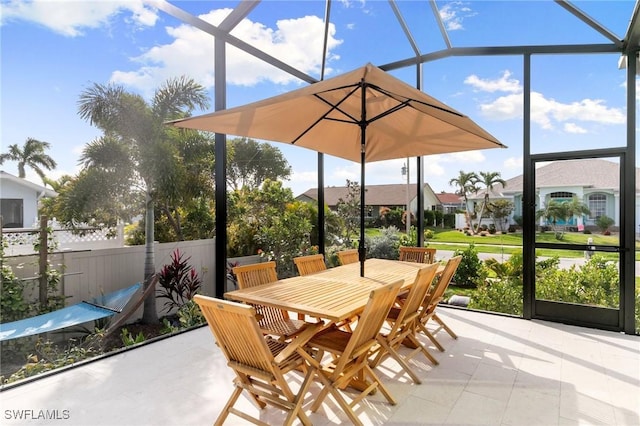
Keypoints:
pixel 335 294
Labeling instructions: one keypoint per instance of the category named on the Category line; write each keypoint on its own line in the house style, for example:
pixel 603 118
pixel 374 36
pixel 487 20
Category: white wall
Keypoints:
pixel 12 189
pixel 90 273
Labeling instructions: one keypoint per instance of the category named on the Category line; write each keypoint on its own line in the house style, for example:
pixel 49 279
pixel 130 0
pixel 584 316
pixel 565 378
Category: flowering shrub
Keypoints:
pixel 178 282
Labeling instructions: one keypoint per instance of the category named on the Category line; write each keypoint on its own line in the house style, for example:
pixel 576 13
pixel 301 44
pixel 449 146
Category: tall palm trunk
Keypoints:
pixel 150 314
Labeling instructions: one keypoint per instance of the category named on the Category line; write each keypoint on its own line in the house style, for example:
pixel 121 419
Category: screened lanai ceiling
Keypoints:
pixel 543 77
pixel 410 32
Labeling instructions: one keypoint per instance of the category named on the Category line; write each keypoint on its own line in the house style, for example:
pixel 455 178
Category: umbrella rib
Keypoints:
pixel 409 100
pixel 333 107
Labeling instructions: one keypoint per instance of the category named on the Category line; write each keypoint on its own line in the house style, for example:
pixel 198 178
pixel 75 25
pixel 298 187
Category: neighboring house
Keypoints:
pixel 19 201
pixel 379 196
pixel 450 202
pixel 595 182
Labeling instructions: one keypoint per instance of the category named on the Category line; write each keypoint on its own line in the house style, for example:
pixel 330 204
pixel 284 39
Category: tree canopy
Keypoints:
pixel 32 155
pixel 251 163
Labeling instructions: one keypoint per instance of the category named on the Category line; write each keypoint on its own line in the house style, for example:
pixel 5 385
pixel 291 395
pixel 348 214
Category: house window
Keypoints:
pixel 597 205
pixel 561 196
pixel 11 211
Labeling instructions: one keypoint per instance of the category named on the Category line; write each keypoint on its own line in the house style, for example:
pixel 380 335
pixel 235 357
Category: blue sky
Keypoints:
pixel 52 50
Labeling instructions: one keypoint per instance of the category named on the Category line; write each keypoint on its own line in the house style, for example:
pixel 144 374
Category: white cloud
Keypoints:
pixel 513 163
pixel 546 112
pixel 297 42
pixel 503 84
pixel 467 157
pixel 573 128
pixel 453 14
pixel 338 175
pixel 72 18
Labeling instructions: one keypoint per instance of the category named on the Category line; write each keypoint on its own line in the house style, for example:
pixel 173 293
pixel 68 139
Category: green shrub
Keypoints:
pixel 129 340
pixel 190 315
pixel 604 223
pixel 470 271
pixel 449 220
pixel 498 295
pixel 429 217
pixel 595 283
pixel 12 304
pixel 48 357
pixel 385 245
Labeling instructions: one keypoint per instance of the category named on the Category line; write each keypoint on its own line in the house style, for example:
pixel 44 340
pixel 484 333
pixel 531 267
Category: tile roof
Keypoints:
pixel 376 195
pixel 587 173
pixel 448 198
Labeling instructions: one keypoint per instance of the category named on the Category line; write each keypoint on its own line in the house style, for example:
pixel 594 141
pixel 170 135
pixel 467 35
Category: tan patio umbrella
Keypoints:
pixel 364 115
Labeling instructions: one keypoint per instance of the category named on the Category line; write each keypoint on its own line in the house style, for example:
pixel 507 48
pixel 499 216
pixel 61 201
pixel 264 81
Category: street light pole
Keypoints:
pixel 405 171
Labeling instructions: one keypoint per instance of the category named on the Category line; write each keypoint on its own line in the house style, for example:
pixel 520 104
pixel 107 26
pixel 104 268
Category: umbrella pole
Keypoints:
pixel 362 251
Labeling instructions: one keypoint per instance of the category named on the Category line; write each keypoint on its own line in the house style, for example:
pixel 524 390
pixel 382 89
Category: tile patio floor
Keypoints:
pixel 501 371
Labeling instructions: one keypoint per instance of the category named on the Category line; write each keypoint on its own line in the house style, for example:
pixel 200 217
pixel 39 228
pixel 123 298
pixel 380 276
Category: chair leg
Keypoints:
pixel 420 348
pixel 380 385
pixel 443 325
pixel 297 409
pixel 228 406
pixel 431 337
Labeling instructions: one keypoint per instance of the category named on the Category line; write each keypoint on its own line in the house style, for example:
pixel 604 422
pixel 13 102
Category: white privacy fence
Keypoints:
pixel 91 273
pixel 21 241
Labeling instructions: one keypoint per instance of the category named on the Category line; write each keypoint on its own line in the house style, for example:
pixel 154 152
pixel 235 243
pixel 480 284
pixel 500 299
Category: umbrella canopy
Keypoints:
pixel 365 115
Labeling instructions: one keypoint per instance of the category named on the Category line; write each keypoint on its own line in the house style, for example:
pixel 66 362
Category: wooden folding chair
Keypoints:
pixel 310 264
pixel 273 321
pixel 348 256
pixel 433 299
pixel 404 322
pixel 417 254
pixel 260 363
pixel 350 352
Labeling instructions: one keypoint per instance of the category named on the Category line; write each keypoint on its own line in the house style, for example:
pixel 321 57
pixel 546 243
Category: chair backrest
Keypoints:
pixel 437 293
pixel 369 324
pixel 417 254
pixel 237 333
pixel 348 256
pixel 259 363
pixel 255 274
pixel 446 276
pixel 417 294
pixel 310 264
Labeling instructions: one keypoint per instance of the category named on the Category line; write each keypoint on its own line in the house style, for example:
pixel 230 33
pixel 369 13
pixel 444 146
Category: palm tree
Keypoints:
pixel 31 155
pixel 575 207
pixel 136 128
pixel 561 211
pixel 488 180
pixel 466 185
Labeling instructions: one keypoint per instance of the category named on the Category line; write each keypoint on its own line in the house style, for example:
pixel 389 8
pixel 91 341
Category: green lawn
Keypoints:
pixel 447 239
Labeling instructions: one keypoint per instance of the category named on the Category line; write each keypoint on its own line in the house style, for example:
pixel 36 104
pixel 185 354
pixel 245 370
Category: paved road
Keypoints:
pixel 564 262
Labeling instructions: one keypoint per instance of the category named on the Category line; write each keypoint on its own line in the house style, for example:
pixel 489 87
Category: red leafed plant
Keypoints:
pixel 178 282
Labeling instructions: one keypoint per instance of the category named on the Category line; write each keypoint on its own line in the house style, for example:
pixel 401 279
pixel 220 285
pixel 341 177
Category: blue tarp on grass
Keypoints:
pixel 100 307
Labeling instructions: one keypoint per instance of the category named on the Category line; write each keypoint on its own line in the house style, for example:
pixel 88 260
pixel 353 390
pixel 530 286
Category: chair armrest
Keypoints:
pixel 299 341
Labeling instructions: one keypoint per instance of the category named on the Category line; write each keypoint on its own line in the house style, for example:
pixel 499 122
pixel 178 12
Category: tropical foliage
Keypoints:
pixel 178 282
pixel 271 222
pixel 488 180
pixel 250 164
pixel 348 209
pixel 31 155
pixel 137 158
pixel 559 213
pixel 466 185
